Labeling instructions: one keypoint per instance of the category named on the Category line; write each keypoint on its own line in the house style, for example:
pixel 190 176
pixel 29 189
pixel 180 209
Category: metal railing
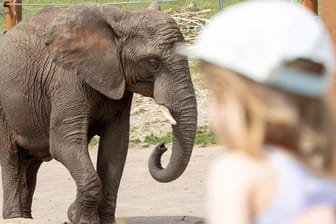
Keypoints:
pixel 220 5
pixel 67 4
pixel 13 9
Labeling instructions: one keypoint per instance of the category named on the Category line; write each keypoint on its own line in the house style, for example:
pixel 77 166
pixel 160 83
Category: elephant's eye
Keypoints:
pixel 154 64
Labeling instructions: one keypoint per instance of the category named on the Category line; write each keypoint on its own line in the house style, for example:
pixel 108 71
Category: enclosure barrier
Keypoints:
pixel 311 4
pixel 220 5
pixel 328 9
pixel 328 12
pixel 13 13
pixel 13 8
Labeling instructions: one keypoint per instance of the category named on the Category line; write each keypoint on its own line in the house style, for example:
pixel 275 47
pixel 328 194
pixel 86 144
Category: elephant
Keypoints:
pixel 68 75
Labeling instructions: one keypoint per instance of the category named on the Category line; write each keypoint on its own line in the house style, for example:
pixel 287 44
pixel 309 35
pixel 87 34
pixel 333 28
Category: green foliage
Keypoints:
pixel 2 24
pixel 153 139
pixel 135 141
pixel 166 6
pixel 204 137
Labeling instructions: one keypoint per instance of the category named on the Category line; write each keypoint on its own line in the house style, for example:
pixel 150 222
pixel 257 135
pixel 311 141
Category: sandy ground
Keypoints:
pixel 141 199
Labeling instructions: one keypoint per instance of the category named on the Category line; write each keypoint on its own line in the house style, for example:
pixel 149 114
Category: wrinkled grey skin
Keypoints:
pixel 66 76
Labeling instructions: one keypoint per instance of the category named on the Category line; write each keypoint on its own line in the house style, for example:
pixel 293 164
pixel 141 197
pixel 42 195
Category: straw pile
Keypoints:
pixel 190 20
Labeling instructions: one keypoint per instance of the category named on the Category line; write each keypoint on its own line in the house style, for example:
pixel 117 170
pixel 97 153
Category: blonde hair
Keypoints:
pixel 268 115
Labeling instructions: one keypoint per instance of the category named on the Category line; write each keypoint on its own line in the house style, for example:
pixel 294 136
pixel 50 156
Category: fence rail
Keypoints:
pixel 67 4
pixel 220 5
pixel 14 9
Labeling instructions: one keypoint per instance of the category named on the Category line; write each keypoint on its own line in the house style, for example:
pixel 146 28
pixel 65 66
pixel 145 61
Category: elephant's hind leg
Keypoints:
pixel 19 181
pixel 18 176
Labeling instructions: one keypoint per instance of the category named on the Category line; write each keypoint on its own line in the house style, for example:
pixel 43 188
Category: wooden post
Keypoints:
pixel 328 10
pixel 13 14
pixel 311 4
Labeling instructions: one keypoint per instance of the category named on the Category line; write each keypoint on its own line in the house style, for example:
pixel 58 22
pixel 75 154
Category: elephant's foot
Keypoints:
pixel 107 221
pixel 107 218
pixel 11 213
pixel 17 215
pixel 78 214
pixel 107 212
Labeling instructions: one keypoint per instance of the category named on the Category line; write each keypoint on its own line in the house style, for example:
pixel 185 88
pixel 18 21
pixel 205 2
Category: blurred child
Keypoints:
pixel 268 66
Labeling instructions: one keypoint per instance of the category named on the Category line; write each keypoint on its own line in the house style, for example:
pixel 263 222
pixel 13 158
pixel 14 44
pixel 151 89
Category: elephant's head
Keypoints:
pixel 116 51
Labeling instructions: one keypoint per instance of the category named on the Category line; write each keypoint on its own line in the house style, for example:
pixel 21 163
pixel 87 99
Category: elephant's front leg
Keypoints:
pixel 113 148
pixel 68 138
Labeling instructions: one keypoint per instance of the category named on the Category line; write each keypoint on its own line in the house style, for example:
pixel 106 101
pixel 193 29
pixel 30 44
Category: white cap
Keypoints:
pixel 257 38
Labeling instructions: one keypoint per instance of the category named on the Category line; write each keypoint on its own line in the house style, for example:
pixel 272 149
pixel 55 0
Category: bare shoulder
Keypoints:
pixel 318 214
pixel 239 162
pixel 242 180
pixel 240 167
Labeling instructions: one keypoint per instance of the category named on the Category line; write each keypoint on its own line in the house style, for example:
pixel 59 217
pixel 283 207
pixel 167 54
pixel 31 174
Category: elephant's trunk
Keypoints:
pixel 182 105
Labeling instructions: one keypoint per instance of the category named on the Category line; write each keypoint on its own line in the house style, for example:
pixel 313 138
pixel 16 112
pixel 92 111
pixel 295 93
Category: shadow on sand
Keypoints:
pixel 128 220
pixel 161 220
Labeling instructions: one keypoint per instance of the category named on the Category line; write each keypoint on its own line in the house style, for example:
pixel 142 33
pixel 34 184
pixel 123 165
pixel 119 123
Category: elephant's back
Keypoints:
pixel 26 72
pixel 23 51
pixel 35 25
pixel 27 36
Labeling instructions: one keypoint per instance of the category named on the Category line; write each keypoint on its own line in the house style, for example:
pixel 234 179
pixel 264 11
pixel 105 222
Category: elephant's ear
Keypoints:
pixel 82 39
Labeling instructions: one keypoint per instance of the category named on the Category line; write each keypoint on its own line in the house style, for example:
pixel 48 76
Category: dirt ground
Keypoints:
pixel 141 199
